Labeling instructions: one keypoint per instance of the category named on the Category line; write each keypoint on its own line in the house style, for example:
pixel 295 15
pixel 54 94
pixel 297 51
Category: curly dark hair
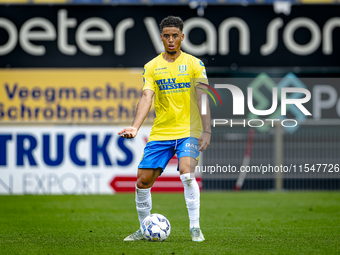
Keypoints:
pixel 172 21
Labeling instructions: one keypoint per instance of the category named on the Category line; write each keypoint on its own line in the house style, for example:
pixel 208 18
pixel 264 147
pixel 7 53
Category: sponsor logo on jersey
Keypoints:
pixel 191 145
pixel 161 68
pixel 167 84
pixel 201 63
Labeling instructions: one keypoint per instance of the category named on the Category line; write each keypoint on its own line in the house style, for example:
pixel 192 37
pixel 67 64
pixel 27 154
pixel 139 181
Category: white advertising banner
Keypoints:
pixel 68 159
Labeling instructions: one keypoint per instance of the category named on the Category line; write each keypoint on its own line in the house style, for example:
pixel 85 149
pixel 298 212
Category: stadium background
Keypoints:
pixel 70 78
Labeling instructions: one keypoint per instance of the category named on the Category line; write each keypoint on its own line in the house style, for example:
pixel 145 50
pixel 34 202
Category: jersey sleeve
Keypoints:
pixel 200 73
pixel 148 80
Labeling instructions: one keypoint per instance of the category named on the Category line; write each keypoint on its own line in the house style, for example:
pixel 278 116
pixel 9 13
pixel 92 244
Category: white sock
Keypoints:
pixel 143 203
pixel 192 198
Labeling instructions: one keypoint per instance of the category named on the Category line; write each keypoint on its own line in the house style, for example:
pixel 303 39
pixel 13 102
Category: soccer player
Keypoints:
pixel 172 77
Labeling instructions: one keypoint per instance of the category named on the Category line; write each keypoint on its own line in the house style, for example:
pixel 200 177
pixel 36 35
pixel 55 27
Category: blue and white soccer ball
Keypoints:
pixel 156 228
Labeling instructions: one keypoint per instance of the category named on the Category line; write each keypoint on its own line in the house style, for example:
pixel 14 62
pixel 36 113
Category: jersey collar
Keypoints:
pixel 177 59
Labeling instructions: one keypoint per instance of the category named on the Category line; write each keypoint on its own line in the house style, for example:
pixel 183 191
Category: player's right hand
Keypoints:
pixel 128 133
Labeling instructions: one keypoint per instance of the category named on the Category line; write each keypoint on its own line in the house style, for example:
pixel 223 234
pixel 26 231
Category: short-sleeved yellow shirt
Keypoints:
pixel 177 113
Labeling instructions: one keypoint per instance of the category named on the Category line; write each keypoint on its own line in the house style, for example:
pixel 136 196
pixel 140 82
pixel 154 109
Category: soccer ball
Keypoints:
pixel 156 228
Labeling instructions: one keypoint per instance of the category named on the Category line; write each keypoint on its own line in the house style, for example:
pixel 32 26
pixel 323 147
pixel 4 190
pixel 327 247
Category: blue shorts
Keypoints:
pixel 157 154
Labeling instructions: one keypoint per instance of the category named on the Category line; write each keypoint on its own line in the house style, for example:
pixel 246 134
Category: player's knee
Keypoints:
pixel 187 166
pixel 184 169
pixel 143 183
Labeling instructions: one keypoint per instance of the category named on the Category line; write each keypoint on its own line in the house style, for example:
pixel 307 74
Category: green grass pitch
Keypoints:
pixel 233 223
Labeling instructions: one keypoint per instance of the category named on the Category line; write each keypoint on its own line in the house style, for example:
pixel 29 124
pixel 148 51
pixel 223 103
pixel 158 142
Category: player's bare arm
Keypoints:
pixel 204 140
pixel 143 109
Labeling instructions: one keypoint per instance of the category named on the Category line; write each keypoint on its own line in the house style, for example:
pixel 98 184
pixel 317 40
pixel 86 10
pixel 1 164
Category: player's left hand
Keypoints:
pixel 204 141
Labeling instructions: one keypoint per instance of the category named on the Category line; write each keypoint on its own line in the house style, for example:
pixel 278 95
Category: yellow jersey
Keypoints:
pixel 177 113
